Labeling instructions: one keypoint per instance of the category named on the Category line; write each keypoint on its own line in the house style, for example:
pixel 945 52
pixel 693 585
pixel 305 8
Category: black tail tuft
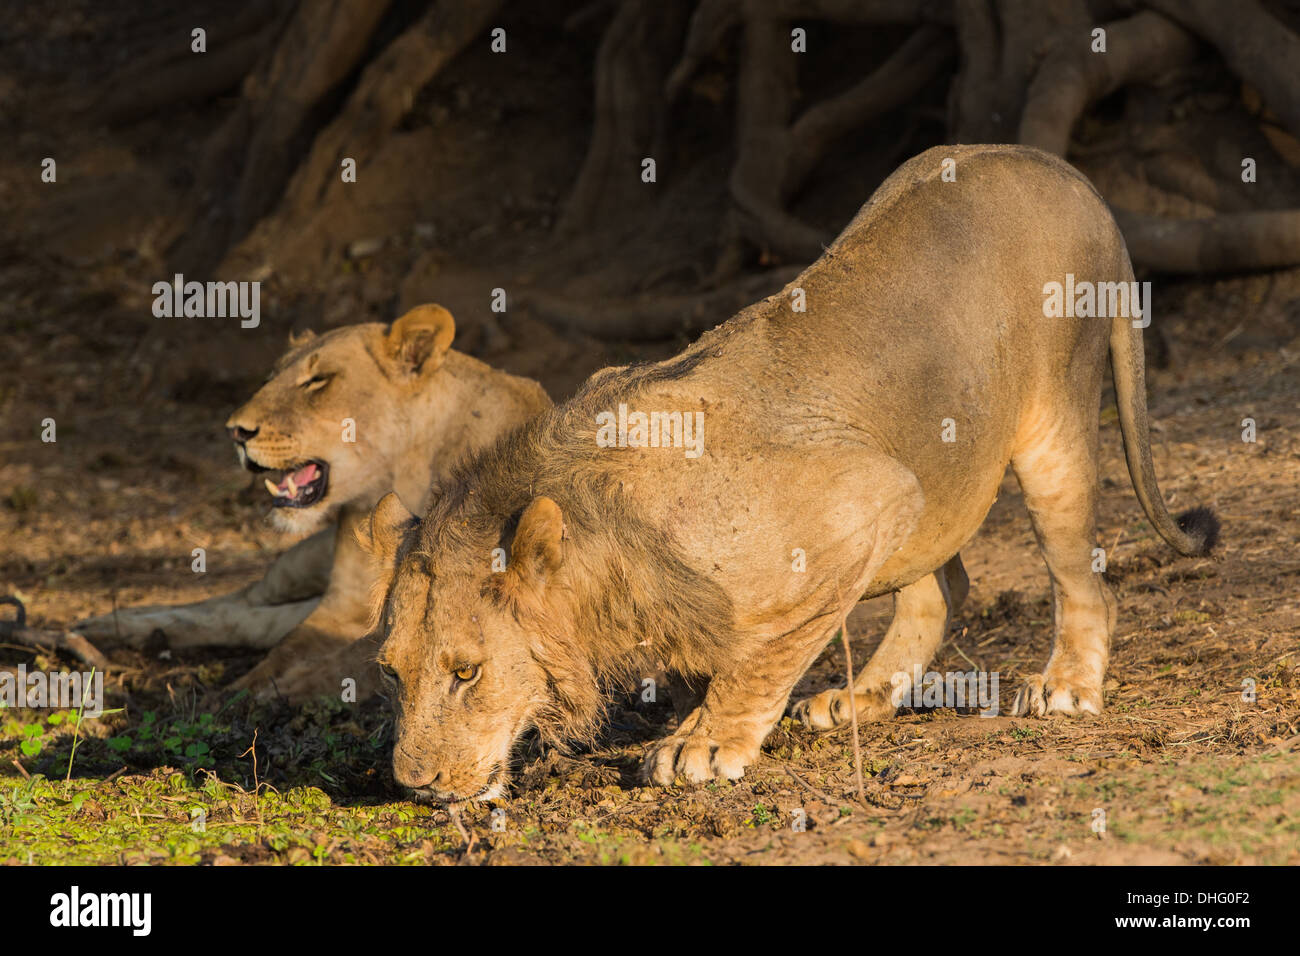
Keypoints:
pixel 1202 526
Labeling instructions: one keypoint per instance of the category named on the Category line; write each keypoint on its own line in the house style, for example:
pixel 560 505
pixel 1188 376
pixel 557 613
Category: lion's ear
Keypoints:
pixel 536 551
pixel 297 339
pixel 419 340
pixel 381 536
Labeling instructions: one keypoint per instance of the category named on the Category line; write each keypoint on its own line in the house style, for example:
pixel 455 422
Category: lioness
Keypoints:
pixel 343 418
pixel 825 435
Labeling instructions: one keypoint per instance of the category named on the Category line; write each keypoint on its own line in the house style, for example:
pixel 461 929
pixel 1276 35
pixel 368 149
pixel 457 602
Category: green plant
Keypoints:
pixel 18 807
pixel 76 729
pixel 31 740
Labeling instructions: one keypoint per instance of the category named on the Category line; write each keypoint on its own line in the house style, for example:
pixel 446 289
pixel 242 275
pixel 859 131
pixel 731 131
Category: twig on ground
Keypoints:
pixel 958 649
pixel 820 795
pixel 853 696
pixel 470 839
pixel 70 641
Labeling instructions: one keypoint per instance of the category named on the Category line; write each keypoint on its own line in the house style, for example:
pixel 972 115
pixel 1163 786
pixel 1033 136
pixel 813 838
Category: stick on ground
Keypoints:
pixel 853 697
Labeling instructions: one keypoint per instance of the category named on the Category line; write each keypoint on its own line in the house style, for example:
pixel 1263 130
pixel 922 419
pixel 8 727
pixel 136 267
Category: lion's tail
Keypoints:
pixel 1196 531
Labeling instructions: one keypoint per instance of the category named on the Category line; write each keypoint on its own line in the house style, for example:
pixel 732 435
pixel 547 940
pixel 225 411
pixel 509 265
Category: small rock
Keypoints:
pixel 364 248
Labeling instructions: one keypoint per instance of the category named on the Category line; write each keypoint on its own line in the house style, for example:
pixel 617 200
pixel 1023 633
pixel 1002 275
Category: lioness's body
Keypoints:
pixel 825 477
pixel 387 410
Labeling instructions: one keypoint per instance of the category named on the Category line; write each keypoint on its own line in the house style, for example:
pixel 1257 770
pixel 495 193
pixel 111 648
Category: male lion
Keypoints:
pixel 825 433
pixel 344 418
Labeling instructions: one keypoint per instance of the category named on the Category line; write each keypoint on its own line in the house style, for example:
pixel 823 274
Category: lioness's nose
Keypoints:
pixel 241 434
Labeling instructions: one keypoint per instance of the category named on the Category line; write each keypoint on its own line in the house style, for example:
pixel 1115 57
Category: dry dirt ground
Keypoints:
pixel 1184 766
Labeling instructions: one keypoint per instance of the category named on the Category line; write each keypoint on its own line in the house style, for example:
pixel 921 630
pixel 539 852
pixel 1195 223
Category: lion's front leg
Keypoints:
pixel 723 736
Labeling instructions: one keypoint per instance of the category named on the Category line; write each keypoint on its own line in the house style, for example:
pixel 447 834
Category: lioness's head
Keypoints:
pixel 473 654
pixel 329 424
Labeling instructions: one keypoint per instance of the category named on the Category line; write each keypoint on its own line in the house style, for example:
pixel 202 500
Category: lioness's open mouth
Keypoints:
pixel 301 486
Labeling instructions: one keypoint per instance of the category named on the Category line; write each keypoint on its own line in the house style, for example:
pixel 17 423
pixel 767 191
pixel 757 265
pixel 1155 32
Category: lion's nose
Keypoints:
pixel 241 434
pixel 417 778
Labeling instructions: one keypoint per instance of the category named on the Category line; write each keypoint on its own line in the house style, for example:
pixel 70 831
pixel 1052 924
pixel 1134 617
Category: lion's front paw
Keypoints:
pixel 697 758
pixel 1041 696
pixel 830 709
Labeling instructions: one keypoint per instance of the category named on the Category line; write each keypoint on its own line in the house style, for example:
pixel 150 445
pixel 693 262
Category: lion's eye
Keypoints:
pixel 388 671
pixel 316 382
pixel 466 672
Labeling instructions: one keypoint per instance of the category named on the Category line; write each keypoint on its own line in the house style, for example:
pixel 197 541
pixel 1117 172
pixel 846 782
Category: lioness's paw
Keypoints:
pixel 1041 696
pixel 257 682
pixel 294 685
pixel 123 628
pixel 830 709
pixel 303 681
pixel 696 758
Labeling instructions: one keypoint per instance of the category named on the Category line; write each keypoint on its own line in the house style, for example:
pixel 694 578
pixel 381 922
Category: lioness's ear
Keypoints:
pixel 300 338
pixel 419 340
pixel 535 552
pixel 382 534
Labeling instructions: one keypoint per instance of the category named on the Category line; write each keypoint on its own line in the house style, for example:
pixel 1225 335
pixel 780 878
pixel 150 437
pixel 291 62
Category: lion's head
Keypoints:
pixel 329 425
pixel 470 660
pixel 534 584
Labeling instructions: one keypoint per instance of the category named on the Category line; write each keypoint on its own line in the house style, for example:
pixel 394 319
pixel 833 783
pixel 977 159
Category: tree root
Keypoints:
pixel 323 42
pixel 384 94
pixel 171 78
pixel 630 68
pixel 901 77
pixel 1138 50
pixel 1233 242
pixel 1257 46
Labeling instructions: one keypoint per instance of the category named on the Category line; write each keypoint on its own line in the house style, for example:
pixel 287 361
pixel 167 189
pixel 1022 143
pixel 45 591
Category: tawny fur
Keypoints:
pixel 418 407
pixel 822 437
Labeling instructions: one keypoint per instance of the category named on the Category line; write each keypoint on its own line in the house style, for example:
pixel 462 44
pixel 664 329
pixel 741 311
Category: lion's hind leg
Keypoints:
pixel 1057 470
